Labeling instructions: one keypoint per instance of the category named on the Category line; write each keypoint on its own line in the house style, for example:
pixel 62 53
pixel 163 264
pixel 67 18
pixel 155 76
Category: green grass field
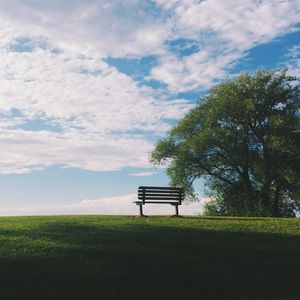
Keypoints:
pixel 109 257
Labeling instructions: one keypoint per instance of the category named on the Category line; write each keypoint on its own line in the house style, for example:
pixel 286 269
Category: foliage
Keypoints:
pixel 243 138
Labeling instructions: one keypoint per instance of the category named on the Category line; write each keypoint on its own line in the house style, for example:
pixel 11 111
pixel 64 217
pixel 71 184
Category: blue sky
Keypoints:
pixel 88 86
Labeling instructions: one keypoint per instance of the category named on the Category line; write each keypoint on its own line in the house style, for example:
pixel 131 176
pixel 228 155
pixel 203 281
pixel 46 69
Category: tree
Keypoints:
pixel 243 138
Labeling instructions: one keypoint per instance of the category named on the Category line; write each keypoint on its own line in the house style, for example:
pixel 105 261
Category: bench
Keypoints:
pixel 159 195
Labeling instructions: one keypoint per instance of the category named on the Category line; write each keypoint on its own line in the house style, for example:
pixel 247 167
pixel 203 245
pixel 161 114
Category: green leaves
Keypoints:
pixel 243 136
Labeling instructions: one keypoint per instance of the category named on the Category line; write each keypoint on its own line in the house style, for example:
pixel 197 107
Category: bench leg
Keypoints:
pixel 141 210
pixel 176 210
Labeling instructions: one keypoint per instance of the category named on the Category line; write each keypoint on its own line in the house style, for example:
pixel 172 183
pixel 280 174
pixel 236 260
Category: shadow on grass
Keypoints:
pixel 235 218
pixel 142 261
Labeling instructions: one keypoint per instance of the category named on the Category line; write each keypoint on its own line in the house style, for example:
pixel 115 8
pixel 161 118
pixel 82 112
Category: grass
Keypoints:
pixel 110 257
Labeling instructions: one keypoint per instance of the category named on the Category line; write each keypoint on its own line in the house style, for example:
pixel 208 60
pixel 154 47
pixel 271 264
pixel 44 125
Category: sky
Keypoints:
pixel 87 87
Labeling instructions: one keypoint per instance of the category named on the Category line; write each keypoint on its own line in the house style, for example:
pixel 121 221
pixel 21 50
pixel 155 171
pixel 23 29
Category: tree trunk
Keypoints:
pixel 275 211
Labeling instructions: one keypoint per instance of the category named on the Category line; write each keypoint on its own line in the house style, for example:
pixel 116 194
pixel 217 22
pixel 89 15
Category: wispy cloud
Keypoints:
pixel 292 60
pixel 224 31
pixel 54 73
pixel 124 205
pixel 97 118
pixel 22 151
pixel 119 28
pixel 117 205
pixel 142 174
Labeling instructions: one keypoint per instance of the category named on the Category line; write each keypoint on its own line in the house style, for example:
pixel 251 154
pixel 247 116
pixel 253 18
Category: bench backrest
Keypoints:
pixel 159 194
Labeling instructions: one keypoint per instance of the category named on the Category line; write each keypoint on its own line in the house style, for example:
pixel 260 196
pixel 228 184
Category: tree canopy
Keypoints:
pixel 243 138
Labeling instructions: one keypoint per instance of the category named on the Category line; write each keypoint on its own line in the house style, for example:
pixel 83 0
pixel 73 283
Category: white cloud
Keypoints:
pixel 195 72
pixel 52 71
pixel 117 205
pixel 123 205
pixel 142 174
pixel 102 118
pixel 292 60
pixel 225 31
pixel 241 23
pixel 22 151
pixel 116 29
pixel 81 92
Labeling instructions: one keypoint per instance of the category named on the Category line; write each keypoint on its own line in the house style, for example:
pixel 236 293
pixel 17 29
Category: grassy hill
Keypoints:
pixel 109 257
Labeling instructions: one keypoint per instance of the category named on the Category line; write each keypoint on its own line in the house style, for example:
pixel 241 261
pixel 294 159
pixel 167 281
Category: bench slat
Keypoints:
pixel 160 195
pixel 159 198
pixel 159 188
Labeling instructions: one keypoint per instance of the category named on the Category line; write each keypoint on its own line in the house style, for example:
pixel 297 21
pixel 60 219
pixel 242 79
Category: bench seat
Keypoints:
pixel 159 195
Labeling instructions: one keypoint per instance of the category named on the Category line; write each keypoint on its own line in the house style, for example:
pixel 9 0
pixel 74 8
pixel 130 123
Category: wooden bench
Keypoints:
pixel 159 195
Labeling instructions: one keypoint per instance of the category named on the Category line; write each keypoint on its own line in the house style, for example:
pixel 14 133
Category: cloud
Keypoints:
pixel 195 72
pixel 117 29
pixel 224 31
pixel 62 103
pixel 142 174
pixel 241 24
pixel 79 92
pixel 292 60
pixel 23 151
pixel 123 205
pixel 76 110
pixel 117 205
